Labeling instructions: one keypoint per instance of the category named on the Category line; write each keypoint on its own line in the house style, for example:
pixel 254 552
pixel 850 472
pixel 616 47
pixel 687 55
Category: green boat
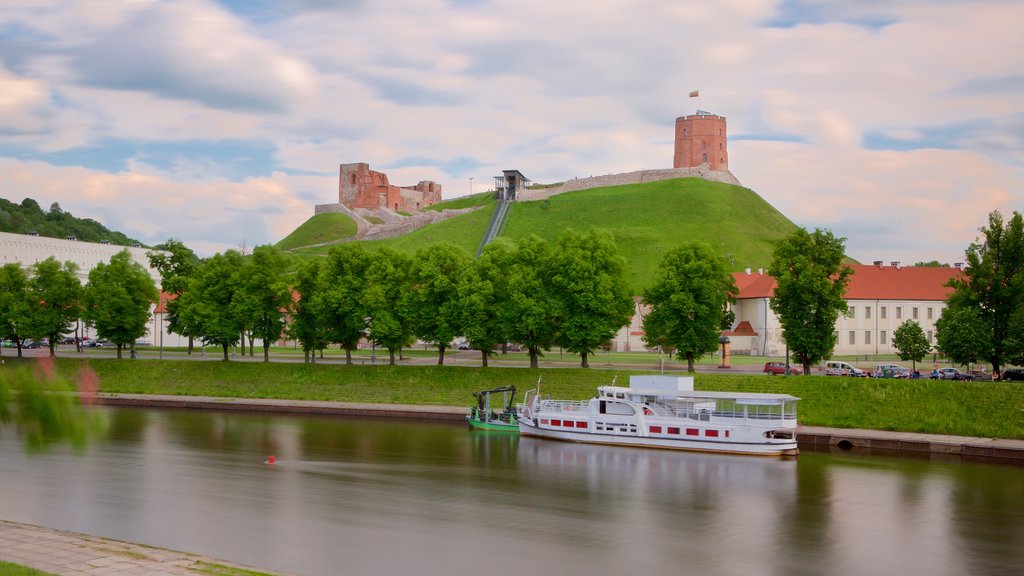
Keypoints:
pixel 484 416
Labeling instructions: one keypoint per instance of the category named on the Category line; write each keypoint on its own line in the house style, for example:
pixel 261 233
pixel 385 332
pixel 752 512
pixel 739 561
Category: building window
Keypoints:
pixel 929 313
pixel 705 157
pixel 867 337
pixel 929 336
pixel 835 336
pixel 853 337
pixel 852 312
pixel 703 146
pixel 684 131
pixel 867 312
pixel 914 313
pixel 899 312
pixel 881 312
pixel 881 337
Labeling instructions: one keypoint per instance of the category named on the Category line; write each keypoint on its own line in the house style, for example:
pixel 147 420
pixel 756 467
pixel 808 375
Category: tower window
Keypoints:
pixel 703 146
pixel 705 157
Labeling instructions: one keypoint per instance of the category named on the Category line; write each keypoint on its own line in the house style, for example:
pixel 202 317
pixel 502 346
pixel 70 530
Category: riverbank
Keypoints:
pixel 74 554
pixel 814 438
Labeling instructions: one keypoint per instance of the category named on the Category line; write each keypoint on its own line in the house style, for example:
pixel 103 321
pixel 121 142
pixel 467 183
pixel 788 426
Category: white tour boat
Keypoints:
pixel 666 412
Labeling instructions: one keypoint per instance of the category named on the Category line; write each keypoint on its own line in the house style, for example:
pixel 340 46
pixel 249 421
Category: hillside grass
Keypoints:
pixel 471 201
pixel 982 409
pixel 320 228
pixel 647 220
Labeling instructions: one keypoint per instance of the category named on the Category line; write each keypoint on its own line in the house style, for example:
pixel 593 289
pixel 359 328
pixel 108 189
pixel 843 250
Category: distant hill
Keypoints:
pixel 28 217
pixel 318 229
pixel 646 220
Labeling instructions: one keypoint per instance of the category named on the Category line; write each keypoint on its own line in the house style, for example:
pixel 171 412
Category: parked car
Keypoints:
pixel 837 368
pixel 891 371
pixel 775 368
pixel 949 374
pixel 1013 375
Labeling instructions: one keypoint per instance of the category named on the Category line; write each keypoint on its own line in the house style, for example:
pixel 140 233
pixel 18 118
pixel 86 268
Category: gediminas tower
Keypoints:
pixel 701 139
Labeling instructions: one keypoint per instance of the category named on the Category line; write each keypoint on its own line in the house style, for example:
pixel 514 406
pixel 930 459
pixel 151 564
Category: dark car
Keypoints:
pixel 775 368
pixel 1013 375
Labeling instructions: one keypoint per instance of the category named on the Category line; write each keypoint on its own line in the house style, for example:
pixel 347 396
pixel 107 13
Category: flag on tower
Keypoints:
pixel 695 94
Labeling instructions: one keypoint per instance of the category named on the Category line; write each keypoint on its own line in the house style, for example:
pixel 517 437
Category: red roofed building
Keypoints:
pixel 880 299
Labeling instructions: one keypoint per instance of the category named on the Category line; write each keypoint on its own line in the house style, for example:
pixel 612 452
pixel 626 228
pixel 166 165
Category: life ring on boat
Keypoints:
pixel 647 411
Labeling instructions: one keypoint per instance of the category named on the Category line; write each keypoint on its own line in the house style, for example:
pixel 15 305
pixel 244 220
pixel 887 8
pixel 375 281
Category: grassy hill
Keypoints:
pixel 318 229
pixel 646 220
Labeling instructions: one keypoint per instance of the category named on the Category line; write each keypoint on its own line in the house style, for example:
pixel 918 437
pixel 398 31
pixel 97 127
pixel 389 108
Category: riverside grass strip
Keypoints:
pixel 981 409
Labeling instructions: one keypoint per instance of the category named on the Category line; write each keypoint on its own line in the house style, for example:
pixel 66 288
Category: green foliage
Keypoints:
pixel 117 300
pixel 810 282
pixel 472 201
pixel 688 302
pixel 29 217
pixel 993 285
pixel 339 299
pixel 308 325
pixel 434 309
pixel 963 334
pixel 263 296
pixel 386 281
pixel 205 306
pixel 482 291
pixel 14 304
pixel 54 296
pixel 588 286
pixel 320 228
pixel 529 310
pixel 38 398
pixel 931 264
pixel 910 342
pixel 9 569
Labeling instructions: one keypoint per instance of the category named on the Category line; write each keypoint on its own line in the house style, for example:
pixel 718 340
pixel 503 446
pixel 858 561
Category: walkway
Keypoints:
pixel 72 554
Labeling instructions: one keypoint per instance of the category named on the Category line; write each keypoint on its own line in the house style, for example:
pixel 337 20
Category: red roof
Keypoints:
pixel 742 329
pixel 870 283
pixel 161 306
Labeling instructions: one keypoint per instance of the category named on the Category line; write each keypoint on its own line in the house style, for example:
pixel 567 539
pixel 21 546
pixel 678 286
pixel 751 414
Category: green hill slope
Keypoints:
pixel 646 220
pixel 318 229
pixel 649 219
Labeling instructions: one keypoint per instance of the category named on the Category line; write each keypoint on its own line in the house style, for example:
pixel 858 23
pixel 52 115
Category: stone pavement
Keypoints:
pixel 71 554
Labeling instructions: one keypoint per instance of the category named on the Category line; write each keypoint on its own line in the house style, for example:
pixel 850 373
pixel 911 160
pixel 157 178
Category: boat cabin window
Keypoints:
pixel 620 408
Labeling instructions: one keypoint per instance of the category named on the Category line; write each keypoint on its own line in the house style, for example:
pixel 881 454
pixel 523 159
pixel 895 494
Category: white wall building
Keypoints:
pixel 29 250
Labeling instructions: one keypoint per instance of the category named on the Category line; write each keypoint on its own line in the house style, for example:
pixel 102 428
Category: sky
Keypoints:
pixel 897 124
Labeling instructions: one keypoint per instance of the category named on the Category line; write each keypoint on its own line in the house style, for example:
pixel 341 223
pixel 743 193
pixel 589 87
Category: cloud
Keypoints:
pixel 152 208
pixel 190 50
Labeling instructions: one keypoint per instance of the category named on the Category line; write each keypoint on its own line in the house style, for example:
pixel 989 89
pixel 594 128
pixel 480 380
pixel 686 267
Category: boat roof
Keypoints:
pixel 739 397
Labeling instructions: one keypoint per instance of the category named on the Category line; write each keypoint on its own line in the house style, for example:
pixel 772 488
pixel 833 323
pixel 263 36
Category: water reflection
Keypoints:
pixel 355 496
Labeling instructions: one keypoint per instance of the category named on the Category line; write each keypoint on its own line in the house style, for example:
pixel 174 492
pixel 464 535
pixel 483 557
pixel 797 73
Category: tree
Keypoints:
pixel 339 298
pixel 810 282
pixel 588 280
pixel 387 279
pixel 529 310
pixel 177 265
pixel 206 303
pixel 54 300
pixel 482 290
pixel 433 303
pixel 263 296
pixel 910 342
pixel 688 301
pixel 993 285
pixel 963 334
pixel 14 304
pixel 308 324
pixel 117 299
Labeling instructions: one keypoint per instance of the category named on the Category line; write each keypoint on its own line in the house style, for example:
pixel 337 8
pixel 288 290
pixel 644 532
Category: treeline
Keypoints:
pixel 56 223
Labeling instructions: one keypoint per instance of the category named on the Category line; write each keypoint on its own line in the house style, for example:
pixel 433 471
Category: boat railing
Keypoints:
pixel 562 406
pixel 705 415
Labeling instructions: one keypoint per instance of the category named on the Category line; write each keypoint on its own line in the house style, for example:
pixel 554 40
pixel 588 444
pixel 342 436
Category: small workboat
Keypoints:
pixel 666 412
pixel 484 416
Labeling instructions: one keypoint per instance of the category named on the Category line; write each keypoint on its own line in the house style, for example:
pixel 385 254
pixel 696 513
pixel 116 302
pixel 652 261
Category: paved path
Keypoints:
pixel 72 554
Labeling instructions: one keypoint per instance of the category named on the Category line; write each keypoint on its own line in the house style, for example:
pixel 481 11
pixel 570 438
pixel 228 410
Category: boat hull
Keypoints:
pixel 774 449
pixel 497 426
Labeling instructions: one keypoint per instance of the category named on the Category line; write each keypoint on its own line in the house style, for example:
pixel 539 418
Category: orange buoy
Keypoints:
pixel 270 460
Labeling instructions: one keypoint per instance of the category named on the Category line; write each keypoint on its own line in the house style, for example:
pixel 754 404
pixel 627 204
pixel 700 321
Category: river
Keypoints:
pixel 353 497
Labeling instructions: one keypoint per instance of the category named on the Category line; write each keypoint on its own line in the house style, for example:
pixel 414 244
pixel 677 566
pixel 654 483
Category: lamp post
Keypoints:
pixel 470 185
pixel 724 341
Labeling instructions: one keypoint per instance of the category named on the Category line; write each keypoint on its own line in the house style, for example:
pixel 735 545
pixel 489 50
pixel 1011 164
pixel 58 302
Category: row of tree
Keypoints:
pixel 50 301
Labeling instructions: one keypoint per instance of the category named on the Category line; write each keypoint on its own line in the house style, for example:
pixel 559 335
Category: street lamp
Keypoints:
pixel 470 185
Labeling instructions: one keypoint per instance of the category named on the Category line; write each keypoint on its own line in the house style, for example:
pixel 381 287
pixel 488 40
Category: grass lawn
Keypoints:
pixel 8 569
pixel 983 409
pixel 320 228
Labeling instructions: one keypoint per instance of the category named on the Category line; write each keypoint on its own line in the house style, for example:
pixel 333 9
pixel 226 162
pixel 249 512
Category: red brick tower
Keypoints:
pixel 701 138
